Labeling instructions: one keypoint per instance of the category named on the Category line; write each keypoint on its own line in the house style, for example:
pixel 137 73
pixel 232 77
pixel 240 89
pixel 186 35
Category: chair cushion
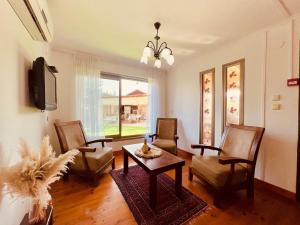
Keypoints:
pixel 216 174
pixel 166 128
pixel 73 135
pixel 238 142
pixel 96 160
pixel 167 145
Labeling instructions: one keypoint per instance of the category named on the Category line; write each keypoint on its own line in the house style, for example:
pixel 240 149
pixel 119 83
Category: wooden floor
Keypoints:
pixel 76 202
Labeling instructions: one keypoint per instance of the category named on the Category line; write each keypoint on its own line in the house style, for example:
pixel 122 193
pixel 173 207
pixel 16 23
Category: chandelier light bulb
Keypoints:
pixel 157 63
pixel 147 52
pixel 165 53
pixel 144 59
pixel 170 60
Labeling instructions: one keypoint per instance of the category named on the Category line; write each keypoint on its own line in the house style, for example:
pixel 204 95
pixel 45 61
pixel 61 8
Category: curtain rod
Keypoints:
pixel 124 76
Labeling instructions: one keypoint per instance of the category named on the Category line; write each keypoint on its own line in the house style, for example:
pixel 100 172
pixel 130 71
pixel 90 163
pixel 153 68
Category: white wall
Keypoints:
pixel 268 65
pixel 63 60
pixel 277 161
pixel 17 118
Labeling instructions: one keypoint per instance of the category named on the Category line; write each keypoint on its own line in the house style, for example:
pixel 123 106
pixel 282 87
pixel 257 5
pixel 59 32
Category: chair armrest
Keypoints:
pixel 152 136
pixel 202 147
pixel 233 160
pixel 102 140
pixel 176 138
pixel 206 146
pixel 86 149
pixel 224 160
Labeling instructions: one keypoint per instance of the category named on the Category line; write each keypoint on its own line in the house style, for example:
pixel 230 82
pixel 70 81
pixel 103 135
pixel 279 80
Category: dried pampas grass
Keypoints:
pixel 32 176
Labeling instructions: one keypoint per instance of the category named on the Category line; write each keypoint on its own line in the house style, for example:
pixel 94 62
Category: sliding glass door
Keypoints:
pixel 134 107
pixel 125 106
pixel 110 94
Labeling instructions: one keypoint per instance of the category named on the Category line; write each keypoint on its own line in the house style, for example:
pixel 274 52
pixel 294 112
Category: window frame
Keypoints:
pixel 119 77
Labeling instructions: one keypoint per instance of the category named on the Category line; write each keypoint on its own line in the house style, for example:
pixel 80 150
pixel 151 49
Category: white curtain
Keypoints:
pixel 88 95
pixel 154 103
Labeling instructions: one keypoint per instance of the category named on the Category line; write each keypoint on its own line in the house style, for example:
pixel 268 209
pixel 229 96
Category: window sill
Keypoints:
pixel 116 139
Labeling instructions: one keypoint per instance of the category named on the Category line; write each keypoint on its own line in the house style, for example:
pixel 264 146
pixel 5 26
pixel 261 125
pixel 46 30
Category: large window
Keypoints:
pixel 124 106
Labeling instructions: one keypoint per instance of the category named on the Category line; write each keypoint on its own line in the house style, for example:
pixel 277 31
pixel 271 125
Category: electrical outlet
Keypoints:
pixel 276 106
pixel 276 98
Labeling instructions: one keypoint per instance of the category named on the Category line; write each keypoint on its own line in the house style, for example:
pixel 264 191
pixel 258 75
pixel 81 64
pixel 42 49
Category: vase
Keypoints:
pixel 145 147
pixel 37 212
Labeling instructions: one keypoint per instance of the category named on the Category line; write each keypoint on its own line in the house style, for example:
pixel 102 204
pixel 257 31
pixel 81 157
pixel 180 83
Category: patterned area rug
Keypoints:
pixel 169 209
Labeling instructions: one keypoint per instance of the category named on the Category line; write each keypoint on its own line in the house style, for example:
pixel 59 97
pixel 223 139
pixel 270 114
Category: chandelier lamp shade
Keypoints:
pixel 157 50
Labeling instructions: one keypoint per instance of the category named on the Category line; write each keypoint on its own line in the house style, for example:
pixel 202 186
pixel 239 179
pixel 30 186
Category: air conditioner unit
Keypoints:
pixel 34 15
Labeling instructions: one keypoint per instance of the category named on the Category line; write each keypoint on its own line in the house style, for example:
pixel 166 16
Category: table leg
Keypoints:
pixel 153 190
pixel 178 180
pixel 125 168
pixel 51 220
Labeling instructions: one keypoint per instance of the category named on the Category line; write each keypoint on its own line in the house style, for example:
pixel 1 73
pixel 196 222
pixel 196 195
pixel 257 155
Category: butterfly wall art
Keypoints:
pixel 207 107
pixel 233 81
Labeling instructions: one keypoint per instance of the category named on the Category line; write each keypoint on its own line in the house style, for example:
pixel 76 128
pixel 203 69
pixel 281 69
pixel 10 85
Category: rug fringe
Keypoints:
pixel 203 211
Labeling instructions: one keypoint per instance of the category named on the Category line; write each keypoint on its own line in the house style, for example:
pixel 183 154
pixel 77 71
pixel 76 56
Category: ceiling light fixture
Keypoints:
pixel 158 50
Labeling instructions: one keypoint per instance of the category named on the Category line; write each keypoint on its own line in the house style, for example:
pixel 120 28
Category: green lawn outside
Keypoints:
pixel 126 130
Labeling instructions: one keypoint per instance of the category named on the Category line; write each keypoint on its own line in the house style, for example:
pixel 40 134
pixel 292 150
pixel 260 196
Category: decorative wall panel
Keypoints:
pixel 233 88
pixel 207 102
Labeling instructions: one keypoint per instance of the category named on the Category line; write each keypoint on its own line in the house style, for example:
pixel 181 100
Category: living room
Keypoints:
pixel 208 70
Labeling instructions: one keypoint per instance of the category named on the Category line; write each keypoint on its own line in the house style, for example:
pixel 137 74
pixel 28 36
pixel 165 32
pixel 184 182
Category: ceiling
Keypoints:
pixel 119 30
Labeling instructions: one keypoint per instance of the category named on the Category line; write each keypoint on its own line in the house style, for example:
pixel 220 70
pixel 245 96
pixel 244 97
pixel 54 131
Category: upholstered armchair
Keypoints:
pixel 166 135
pixel 91 161
pixel 233 167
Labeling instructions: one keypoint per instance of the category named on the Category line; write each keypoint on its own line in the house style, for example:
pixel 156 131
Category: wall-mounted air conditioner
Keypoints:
pixel 35 16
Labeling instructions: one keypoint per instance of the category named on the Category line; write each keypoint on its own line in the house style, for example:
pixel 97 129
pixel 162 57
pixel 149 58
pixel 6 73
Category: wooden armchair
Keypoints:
pixel 234 166
pixel 166 135
pixel 91 161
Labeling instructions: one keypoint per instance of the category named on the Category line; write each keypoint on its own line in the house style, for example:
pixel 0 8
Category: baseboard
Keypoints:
pixel 118 152
pixel 275 189
pixel 184 153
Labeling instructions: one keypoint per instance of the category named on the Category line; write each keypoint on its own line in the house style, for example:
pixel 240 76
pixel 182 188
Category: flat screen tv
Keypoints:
pixel 42 85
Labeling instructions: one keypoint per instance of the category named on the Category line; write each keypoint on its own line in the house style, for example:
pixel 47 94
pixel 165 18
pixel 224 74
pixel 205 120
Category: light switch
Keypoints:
pixel 275 106
pixel 276 98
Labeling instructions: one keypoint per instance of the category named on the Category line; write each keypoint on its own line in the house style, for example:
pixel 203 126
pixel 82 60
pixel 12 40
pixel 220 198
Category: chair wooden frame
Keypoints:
pixel 224 160
pixel 83 149
pixel 156 135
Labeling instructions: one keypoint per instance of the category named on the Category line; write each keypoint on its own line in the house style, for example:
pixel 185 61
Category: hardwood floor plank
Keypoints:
pixel 76 202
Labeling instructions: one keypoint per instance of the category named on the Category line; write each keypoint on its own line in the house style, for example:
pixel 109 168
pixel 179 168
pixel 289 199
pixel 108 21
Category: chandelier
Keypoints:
pixel 158 50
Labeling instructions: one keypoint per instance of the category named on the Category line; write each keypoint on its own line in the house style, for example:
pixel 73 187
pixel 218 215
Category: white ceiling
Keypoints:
pixel 119 29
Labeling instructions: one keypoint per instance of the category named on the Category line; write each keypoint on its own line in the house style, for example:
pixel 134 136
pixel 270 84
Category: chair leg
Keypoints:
pixel 217 199
pixel 190 174
pixel 250 190
pixel 113 164
pixel 95 180
pixel 65 177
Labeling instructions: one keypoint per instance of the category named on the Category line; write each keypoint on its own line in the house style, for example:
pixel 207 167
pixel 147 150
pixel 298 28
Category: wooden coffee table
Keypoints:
pixel 153 167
